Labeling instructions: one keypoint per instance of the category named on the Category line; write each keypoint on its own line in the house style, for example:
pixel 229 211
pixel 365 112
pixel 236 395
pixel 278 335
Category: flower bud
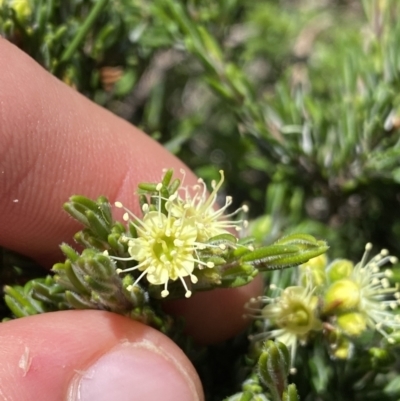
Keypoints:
pixel 343 349
pixel 316 276
pixel 22 9
pixel 342 296
pixel 392 339
pixel 317 263
pixel 314 270
pixel 380 358
pixel 352 323
pixel 339 269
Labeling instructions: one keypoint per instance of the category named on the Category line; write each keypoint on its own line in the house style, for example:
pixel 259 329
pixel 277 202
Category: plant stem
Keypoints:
pixel 82 32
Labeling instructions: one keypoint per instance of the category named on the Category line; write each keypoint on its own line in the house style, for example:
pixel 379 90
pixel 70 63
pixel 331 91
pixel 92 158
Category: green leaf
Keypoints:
pixel 289 251
pixel 97 224
pixel 66 276
pixel 77 301
pixel 148 187
pixel 19 300
pixel 69 252
pixel 167 177
pixel 291 394
pixel 393 387
pixel 273 367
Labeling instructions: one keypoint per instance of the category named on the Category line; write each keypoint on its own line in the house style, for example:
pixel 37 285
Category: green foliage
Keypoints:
pixel 91 280
pixel 270 383
pixel 273 365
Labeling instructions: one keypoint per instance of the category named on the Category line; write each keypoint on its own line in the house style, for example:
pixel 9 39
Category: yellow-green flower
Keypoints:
pixel 202 210
pixel 168 245
pixel 292 316
pixel 374 289
pixel 365 292
pixel 165 249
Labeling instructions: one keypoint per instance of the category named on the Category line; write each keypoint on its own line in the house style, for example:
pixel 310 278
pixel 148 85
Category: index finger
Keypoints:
pixel 56 143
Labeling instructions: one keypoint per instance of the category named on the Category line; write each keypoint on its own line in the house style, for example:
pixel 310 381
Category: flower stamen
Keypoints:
pixel 176 235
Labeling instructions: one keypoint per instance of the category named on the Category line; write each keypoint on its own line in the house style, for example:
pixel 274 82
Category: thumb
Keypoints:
pixel 91 355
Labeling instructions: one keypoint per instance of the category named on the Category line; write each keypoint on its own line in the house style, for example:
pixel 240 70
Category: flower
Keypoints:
pixel 200 208
pixel 169 242
pixel 165 249
pixel 314 270
pixel 293 314
pixel 373 289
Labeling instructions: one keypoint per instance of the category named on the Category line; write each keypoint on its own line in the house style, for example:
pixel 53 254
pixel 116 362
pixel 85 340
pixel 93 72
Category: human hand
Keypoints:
pixel 55 143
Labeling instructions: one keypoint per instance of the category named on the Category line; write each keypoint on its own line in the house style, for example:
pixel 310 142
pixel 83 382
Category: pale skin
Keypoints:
pixel 55 143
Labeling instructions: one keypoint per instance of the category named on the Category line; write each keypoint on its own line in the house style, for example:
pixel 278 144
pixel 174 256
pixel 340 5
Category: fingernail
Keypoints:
pixel 133 371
